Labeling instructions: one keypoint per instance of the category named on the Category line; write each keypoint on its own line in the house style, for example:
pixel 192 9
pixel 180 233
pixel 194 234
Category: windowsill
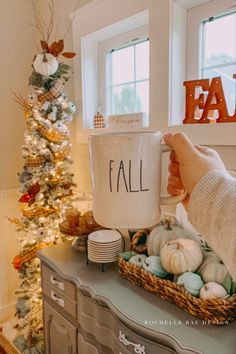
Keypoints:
pixel 83 134
pixel 206 134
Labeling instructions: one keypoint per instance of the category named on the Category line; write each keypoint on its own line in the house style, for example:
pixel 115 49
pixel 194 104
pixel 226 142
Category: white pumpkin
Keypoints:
pixel 45 64
pixel 163 233
pixel 181 255
pixel 138 259
pixel 212 290
pixel 212 268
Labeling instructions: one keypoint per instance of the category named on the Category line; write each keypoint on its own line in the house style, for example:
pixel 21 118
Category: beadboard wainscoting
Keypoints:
pixel 8 249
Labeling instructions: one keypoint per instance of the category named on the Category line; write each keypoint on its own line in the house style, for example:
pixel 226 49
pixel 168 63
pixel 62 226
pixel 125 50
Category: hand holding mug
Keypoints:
pixel 188 163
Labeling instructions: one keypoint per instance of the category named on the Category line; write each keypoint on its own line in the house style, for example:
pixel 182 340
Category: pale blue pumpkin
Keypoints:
pixel 138 259
pixel 127 255
pixel 192 282
pixel 153 265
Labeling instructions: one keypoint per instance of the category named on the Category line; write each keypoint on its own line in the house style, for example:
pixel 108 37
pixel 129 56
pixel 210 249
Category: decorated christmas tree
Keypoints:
pixel 46 183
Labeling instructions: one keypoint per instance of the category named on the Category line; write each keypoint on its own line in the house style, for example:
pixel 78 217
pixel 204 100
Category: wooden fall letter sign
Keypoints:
pixel 215 94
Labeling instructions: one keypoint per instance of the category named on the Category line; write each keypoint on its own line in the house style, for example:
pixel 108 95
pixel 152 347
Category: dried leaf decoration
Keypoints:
pixel 68 55
pixel 56 48
pixel 44 46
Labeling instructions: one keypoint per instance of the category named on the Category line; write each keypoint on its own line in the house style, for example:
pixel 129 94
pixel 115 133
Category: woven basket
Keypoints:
pixel 216 311
pixel 6 347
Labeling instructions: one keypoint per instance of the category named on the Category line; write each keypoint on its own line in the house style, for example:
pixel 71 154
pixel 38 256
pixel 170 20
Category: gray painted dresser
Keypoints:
pixel 87 311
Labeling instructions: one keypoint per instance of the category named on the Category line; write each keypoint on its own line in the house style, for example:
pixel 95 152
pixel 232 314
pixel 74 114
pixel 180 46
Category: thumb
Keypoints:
pixel 182 146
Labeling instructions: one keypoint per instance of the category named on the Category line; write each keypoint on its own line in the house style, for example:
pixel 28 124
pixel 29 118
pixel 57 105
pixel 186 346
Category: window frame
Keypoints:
pixel 205 134
pixel 139 33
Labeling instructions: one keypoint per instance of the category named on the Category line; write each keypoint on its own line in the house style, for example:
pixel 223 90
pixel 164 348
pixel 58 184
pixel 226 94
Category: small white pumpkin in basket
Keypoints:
pixel 138 259
pixel 212 268
pixel 213 290
pixel 181 255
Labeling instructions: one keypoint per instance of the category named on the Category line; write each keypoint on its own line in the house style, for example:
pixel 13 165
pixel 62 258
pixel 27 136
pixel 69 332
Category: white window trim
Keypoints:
pixel 103 47
pixel 195 16
pixel 206 134
pixel 94 23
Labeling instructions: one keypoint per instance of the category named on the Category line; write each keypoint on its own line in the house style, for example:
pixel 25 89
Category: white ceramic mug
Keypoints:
pixel 126 178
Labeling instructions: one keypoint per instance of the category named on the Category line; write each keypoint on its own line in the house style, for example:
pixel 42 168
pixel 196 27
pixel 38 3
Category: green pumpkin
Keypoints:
pixel 153 265
pixel 163 233
pixel 212 268
pixel 192 282
pixel 127 255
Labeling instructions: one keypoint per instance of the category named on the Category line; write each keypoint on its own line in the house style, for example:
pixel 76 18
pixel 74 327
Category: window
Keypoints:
pixel 194 42
pixel 128 78
pixel 218 53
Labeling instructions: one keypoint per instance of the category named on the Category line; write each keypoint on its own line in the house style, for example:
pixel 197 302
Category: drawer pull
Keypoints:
pixel 60 302
pixel 138 348
pixel 59 284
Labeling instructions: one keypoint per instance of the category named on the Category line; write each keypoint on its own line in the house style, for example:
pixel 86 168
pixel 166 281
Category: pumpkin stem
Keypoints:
pixel 178 246
pixel 168 223
pixel 44 58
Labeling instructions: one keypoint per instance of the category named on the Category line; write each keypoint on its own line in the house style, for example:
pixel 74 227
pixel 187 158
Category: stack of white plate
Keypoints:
pixel 104 246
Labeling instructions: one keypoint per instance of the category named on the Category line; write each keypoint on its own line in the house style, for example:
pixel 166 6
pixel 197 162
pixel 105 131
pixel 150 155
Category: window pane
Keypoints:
pixel 123 99
pixel 142 97
pixel 226 74
pixel 142 60
pixel 220 41
pixel 122 65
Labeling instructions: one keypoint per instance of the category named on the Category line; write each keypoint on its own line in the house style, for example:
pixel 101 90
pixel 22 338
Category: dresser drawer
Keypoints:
pixel 60 300
pixel 131 342
pixel 88 345
pixel 60 334
pixel 58 283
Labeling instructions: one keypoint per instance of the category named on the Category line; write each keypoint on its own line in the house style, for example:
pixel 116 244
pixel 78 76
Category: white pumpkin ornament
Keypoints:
pixel 164 232
pixel 212 268
pixel 213 290
pixel 45 64
pixel 181 255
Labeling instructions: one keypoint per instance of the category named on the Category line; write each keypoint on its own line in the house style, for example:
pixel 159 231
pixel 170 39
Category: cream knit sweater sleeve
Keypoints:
pixel 212 212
